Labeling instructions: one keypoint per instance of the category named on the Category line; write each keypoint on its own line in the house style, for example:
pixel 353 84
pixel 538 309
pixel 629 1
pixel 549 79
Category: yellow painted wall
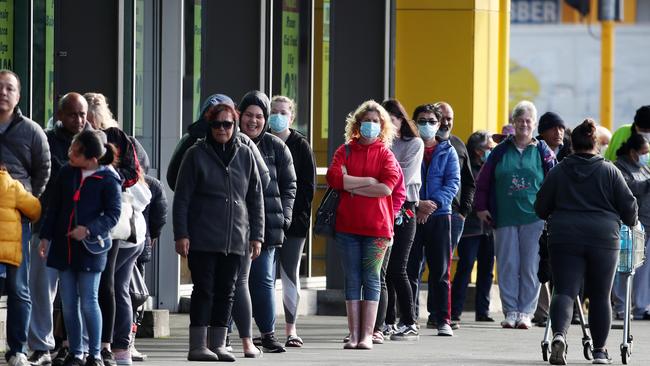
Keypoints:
pixel 448 50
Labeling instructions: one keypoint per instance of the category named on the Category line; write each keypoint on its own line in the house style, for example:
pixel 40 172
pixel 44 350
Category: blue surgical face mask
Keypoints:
pixel 278 122
pixel 370 130
pixel 427 131
pixel 644 159
pixel 486 154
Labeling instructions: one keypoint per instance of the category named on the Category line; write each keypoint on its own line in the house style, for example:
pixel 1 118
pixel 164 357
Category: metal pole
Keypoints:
pixel 607 74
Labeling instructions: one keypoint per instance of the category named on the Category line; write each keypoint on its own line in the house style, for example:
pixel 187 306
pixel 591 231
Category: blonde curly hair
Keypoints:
pixel 353 122
pixel 98 111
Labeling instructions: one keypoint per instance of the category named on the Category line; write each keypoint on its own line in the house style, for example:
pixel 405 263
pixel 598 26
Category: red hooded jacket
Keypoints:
pixel 356 214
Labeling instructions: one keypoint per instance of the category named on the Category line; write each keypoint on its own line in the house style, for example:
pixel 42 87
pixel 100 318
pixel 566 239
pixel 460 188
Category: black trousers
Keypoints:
pixel 214 276
pixel 397 281
pixel 435 237
pixel 570 265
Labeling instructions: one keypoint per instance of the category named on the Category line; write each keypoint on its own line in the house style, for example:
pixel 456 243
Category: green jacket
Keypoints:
pixel 620 136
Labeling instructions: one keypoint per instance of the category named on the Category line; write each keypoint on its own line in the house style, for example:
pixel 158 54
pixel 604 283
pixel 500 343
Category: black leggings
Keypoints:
pixel 107 294
pixel 399 287
pixel 570 265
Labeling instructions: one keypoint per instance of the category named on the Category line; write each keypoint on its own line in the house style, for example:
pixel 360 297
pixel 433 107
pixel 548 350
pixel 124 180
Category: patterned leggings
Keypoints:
pixel 361 257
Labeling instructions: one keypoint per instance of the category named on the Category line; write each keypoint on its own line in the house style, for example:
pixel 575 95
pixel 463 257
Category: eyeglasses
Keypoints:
pixel 226 125
pixel 431 121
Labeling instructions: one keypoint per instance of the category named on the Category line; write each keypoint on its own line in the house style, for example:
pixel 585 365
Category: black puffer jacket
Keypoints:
pixel 305 167
pixel 280 194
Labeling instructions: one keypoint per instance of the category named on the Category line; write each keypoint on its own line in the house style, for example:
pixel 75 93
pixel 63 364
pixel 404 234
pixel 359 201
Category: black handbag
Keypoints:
pixel 325 223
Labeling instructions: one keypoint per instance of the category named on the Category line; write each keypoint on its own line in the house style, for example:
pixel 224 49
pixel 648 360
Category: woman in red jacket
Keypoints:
pixel 365 171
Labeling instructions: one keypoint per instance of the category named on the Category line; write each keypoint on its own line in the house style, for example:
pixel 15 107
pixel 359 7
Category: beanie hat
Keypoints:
pixel 213 100
pixel 642 117
pixel 255 97
pixel 550 120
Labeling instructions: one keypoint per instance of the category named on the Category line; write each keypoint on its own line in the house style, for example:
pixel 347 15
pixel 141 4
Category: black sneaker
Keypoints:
pixel 107 357
pixel 432 324
pixel 601 357
pixel 92 361
pixel 40 358
pixel 60 357
pixel 71 360
pixel 406 333
pixel 271 344
pixel 558 350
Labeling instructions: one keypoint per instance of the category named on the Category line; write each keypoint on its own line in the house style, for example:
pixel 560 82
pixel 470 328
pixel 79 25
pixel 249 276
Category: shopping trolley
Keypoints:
pixel 632 256
pixel 587 344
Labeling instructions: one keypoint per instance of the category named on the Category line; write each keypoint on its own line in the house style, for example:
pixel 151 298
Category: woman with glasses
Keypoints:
pixel 476 243
pixel 505 196
pixel 218 218
pixel 440 173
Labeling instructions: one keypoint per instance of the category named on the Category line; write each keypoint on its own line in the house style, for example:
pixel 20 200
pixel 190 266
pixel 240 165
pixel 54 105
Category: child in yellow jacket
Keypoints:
pixel 14 201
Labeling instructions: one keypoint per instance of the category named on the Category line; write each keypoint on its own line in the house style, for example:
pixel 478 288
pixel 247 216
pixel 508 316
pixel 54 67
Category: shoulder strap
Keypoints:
pixel 347 151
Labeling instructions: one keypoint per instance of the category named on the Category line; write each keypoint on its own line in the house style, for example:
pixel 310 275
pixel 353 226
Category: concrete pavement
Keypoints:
pixel 473 344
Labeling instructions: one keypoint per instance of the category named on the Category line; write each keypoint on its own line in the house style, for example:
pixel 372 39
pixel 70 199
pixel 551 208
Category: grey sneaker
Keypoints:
pixel 558 350
pixel 601 357
pixel 406 333
pixel 40 358
pixel 445 330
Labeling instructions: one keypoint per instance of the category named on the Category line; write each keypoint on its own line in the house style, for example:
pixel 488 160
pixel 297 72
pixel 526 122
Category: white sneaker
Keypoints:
pixel 510 321
pixel 136 355
pixel 445 330
pixel 19 359
pixel 524 321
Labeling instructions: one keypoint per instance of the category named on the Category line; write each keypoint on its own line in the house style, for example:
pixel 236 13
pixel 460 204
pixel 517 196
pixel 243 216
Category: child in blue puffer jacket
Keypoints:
pixel 85 205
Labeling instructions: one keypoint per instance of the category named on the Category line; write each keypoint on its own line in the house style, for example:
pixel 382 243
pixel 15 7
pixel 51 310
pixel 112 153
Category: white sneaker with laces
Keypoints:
pixel 510 321
pixel 445 330
pixel 19 359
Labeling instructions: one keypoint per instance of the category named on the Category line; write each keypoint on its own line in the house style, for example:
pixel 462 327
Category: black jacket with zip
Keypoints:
pixel 219 207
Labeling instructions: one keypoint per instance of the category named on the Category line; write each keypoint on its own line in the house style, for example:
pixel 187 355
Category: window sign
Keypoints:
pixel 196 70
pixel 535 11
pixel 325 95
pixel 290 39
pixel 139 68
pixel 49 60
pixel 7 34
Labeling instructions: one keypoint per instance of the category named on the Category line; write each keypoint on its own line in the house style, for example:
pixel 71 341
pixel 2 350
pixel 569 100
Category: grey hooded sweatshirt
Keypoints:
pixel 584 199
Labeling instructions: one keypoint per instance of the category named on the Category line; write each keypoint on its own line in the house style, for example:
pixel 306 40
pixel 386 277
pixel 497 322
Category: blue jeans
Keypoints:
pixel 262 287
pixel 361 257
pixel 79 296
pixel 19 303
pixel 479 248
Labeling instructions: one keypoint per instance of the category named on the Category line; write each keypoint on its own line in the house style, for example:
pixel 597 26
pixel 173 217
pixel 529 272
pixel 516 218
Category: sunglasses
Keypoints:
pixel 226 125
pixel 431 121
